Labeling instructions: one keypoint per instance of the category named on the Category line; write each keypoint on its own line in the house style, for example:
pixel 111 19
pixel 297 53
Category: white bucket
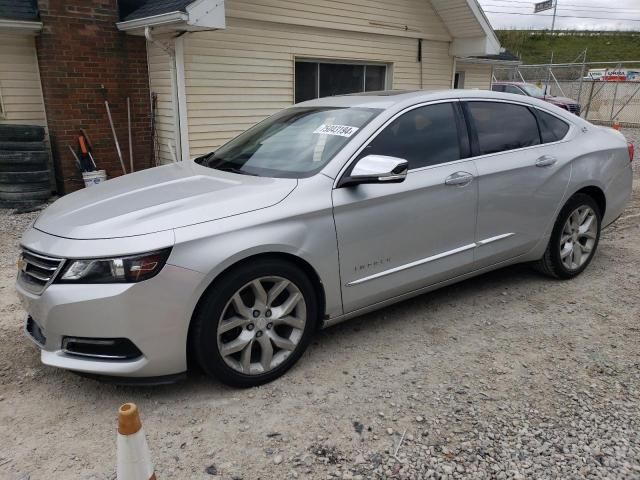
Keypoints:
pixel 94 178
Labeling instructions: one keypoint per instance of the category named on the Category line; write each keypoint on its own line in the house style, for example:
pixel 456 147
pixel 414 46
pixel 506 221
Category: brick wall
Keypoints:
pixel 80 50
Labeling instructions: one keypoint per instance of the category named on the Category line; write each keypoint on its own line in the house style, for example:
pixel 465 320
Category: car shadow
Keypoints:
pixel 398 316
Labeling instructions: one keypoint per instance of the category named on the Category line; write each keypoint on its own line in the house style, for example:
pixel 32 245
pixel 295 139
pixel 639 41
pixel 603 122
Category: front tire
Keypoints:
pixel 574 239
pixel 255 322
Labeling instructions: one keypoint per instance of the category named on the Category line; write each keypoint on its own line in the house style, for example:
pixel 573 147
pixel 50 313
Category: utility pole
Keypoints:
pixel 543 7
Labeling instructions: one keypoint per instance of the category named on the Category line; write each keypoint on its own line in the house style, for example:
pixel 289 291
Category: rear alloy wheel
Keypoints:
pixel 255 323
pixel 574 239
pixel 578 237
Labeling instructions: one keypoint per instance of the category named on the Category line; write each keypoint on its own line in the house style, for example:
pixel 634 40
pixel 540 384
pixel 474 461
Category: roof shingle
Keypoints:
pixel 157 7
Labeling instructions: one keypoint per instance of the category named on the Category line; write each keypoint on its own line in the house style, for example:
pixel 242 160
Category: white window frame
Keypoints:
pixel 388 77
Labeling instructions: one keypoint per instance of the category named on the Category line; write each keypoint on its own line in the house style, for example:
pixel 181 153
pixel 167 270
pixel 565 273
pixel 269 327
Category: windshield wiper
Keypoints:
pixel 235 170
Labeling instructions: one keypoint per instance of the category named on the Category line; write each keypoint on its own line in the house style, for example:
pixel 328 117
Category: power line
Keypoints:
pixel 532 3
pixel 564 4
pixel 629 11
pixel 621 12
pixel 564 16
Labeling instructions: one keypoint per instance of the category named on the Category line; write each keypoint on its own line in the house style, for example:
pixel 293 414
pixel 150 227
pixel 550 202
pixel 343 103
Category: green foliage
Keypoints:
pixel 535 47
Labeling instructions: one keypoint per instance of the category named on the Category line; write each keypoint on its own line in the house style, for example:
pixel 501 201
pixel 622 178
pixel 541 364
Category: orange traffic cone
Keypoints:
pixel 134 459
pixel 616 125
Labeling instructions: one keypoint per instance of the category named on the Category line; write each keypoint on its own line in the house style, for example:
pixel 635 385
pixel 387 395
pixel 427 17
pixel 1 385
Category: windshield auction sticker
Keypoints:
pixel 339 130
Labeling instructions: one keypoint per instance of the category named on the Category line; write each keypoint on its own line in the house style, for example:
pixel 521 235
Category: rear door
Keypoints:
pixel 522 176
pixel 396 238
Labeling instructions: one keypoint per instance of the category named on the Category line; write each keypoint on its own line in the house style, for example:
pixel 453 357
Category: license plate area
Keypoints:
pixel 35 332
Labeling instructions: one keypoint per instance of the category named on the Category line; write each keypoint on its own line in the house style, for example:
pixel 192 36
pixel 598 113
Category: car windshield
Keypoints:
pixel 532 90
pixel 294 143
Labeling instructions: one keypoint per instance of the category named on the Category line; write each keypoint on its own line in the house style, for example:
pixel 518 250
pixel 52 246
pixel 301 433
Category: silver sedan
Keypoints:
pixel 322 212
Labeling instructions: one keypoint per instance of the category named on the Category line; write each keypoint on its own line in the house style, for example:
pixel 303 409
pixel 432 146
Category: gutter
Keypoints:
pixel 154 21
pixel 23 25
pixel 487 61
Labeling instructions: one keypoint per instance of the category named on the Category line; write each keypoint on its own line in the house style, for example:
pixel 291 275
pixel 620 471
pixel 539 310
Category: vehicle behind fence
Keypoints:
pixel 613 101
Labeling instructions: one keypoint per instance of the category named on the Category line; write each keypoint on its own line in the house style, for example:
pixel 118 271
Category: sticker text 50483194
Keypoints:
pixel 340 130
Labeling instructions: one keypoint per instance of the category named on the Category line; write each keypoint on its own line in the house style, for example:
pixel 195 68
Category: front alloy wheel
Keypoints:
pixel 261 325
pixel 254 322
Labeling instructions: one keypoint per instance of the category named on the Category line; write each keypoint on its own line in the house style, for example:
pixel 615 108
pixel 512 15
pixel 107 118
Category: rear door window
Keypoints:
pixel 503 126
pixel 423 136
pixel 498 88
pixel 552 128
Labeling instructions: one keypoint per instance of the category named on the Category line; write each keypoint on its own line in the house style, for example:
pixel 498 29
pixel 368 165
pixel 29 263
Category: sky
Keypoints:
pixel 572 14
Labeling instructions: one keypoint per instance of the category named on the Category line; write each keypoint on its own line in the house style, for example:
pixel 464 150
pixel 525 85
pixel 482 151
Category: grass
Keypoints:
pixel 535 47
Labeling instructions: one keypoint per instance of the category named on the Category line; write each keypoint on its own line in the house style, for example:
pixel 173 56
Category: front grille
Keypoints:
pixel 37 271
pixel 574 108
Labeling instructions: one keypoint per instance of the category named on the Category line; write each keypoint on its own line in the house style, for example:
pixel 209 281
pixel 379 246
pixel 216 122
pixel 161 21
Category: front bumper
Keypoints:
pixel 154 315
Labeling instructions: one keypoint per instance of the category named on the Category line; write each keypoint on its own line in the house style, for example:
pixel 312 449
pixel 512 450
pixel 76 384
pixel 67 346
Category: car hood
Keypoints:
pixel 158 199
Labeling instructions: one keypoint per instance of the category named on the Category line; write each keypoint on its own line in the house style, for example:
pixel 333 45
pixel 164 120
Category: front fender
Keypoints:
pixel 301 226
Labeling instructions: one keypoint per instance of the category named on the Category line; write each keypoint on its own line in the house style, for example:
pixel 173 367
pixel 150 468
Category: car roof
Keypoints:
pixel 391 98
pixel 381 99
pixel 399 100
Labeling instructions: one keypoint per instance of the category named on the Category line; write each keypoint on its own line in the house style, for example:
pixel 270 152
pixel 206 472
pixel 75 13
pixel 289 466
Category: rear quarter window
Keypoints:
pixel 552 128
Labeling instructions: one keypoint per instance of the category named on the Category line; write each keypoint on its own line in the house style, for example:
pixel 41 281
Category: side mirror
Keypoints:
pixel 377 169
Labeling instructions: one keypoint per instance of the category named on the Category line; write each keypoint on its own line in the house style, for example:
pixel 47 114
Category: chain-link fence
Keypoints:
pixel 601 101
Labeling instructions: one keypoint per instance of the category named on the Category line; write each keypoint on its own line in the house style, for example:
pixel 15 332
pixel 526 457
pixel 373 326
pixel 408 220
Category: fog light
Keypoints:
pixel 101 348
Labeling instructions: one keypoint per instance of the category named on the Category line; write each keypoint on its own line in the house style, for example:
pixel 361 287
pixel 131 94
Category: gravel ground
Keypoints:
pixel 508 375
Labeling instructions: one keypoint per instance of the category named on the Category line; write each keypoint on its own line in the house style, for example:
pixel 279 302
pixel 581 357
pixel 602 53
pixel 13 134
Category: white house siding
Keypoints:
pixel 475 75
pixel 162 83
pixel 238 76
pixel 411 18
pixel 459 18
pixel 20 81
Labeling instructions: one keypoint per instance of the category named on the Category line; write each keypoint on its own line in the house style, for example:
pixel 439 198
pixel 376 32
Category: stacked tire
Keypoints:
pixel 24 167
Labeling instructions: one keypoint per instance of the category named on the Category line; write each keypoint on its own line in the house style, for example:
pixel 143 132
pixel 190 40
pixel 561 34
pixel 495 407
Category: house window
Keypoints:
pixel 317 79
pixel 458 81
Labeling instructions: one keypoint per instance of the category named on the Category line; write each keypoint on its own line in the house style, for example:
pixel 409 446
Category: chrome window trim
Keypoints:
pixel 364 145
pixel 432 258
pixel 572 126
pixel 572 129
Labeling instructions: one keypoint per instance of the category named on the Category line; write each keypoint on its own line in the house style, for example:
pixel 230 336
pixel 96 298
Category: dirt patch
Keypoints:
pixel 508 375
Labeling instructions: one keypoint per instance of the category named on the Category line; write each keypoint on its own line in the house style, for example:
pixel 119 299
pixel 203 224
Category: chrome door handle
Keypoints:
pixel 546 161
pixel 459 179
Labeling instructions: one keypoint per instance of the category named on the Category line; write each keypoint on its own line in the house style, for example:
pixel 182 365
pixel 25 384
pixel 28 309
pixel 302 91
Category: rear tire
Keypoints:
pixel 270 339
pixel 23 161
pixel 22 146
pixel 23 177
pixel 574 239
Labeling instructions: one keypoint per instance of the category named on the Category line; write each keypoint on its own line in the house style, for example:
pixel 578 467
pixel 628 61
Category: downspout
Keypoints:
pixel 175 81
pixel 453 72
pixel 421 64
pixel 182 98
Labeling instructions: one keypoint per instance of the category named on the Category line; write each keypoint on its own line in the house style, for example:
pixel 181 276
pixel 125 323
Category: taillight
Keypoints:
pixel 631 148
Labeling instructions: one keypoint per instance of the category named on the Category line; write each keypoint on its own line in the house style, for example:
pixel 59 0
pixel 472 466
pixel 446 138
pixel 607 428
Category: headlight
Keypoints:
pixel 135 268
